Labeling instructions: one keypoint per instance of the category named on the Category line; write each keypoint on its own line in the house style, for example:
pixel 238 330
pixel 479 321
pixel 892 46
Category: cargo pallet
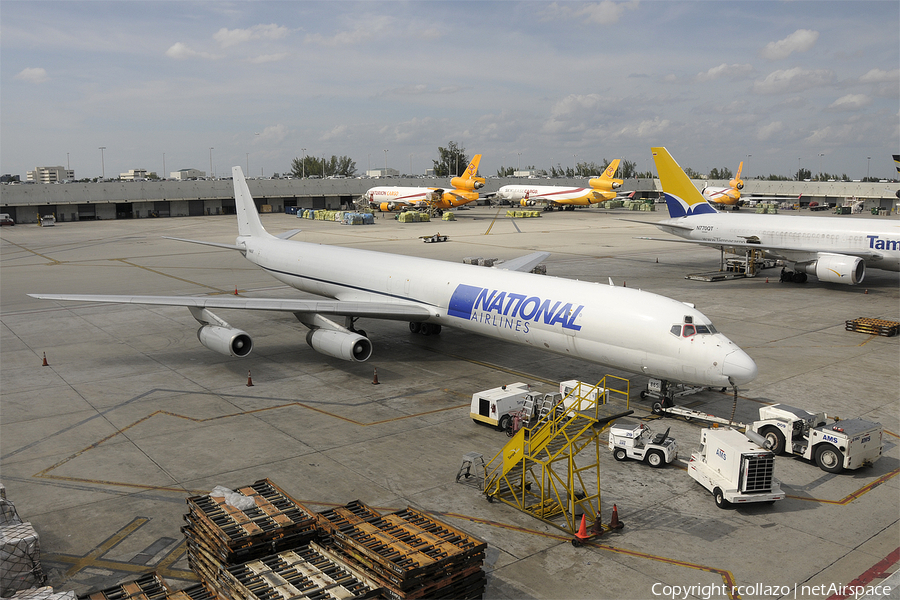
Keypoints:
pixel 873 326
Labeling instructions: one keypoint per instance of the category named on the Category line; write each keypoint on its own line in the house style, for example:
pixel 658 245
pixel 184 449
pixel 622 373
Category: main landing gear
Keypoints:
pixel 424 328
pixel 665 393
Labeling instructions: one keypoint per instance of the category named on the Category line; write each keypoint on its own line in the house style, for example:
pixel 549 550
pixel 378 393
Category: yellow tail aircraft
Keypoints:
pixel 555 196
pixel 464 190
pixel 730 196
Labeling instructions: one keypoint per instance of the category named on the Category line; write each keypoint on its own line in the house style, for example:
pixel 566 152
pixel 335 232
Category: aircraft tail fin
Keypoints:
pixel 606 182
pixel 682 197
pixel 247 215
pixel 469 180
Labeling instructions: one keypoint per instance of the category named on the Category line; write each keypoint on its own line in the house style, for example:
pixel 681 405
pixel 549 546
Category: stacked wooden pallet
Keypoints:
pixel 411 554
pixel 307 572
pixel 220 534
pixel 149 586
pixel 873 326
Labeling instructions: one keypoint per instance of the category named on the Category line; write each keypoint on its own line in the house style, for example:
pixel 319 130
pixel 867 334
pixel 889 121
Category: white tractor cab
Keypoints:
pixel 833 445
pixel 638 442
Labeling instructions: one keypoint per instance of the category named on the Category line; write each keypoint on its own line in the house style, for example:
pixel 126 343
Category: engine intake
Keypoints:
pixel 225 340
pixel 837 268
pixel 346 346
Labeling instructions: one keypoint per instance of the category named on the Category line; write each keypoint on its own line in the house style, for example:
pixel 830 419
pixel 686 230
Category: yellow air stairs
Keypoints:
pixel 551 470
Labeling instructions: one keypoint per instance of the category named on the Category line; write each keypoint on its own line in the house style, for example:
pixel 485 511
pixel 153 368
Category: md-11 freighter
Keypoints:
pixel 463 190
pixel 562 197
pixel 624 328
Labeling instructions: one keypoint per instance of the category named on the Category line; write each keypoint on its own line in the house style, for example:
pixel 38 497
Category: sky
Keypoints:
pixel 170 85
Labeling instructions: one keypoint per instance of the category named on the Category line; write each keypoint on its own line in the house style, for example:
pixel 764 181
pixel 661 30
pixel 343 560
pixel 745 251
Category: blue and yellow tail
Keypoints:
pixel 682 198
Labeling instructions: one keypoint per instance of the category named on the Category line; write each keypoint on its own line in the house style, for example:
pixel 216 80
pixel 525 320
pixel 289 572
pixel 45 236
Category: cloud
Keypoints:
pixel 180 51
pixel 879 76
pixel 792 80
pixel 271 134
pixel 850 102
pixel 369 30
pixel 595 13
pixel 33 75
pixel 648 128
pixel 231 37
pixel 766 132
pixel 799 41
pixel 723 70
pixel 267 58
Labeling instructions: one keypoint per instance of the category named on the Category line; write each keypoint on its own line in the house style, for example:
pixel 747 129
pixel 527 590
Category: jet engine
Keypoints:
pixel 387 206
pixel 601 183
pixel 461 183
pixel 225 340
pixel 836 268
pixel 339 344
pixel 527 202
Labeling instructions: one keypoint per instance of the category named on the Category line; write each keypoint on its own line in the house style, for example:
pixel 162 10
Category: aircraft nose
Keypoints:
pixel 739 368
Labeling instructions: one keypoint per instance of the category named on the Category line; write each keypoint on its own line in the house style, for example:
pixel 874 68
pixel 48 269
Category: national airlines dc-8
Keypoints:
pixel 834 249
pixel 625 328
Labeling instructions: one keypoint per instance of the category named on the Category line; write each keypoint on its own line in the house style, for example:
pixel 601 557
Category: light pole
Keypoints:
pixel 164 167
pixel 798 168
pixel 821 173
pixel 323 166
pixel 67 161
pixel 303 169
pixel 748 162
pixel 102 163
pixel 868 160
pixel 210 163
pixel 248 164
pixel 518 161
pixel 574 165
pixel 385 162
pixel 410 163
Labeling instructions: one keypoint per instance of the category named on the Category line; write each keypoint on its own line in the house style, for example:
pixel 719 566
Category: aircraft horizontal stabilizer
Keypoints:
pixel 377 310
pixel 523 263
pixel 214 244
pixel 670 225
pixel 286 235
pixel 793 254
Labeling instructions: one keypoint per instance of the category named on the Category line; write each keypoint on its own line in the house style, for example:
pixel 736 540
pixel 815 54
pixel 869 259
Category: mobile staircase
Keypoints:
pixel 551 470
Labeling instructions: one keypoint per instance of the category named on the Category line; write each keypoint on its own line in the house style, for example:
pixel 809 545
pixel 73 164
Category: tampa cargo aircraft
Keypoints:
pixel 620 327
pixel 834 249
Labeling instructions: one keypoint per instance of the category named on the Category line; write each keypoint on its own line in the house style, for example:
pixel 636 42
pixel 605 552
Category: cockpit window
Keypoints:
pixel 689 330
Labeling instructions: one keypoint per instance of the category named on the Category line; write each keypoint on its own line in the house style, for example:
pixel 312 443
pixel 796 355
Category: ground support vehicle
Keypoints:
pixel 833 445
pixel 496 406
pixel 735 469
pixel 666 393
pixel 638 442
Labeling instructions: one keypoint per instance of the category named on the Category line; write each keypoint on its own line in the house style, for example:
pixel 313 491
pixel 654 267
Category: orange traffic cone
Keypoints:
pixel 46 364
pixel 249 379
pixel 767 280
pixel 624 283
pixel 582 530
pixel 375 379
pixel 235 291
pixel 614 522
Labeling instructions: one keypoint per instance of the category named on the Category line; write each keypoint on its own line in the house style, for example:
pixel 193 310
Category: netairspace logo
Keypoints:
pixel 721 590
pixel 508 310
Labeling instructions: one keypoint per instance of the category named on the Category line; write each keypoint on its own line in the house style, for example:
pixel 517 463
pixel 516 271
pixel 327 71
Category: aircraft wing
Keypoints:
pixel 786 252
pixel 376 310
pixel 656 224
pixel 524 263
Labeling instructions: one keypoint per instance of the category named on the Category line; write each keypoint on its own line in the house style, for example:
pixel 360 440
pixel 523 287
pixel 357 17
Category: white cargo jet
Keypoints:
pixel 562 197
pixel 621 327
pixel 834 249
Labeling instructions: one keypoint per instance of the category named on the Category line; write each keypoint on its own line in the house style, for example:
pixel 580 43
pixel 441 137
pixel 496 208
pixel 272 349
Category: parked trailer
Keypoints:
pixel 496 406
pixel 735 469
